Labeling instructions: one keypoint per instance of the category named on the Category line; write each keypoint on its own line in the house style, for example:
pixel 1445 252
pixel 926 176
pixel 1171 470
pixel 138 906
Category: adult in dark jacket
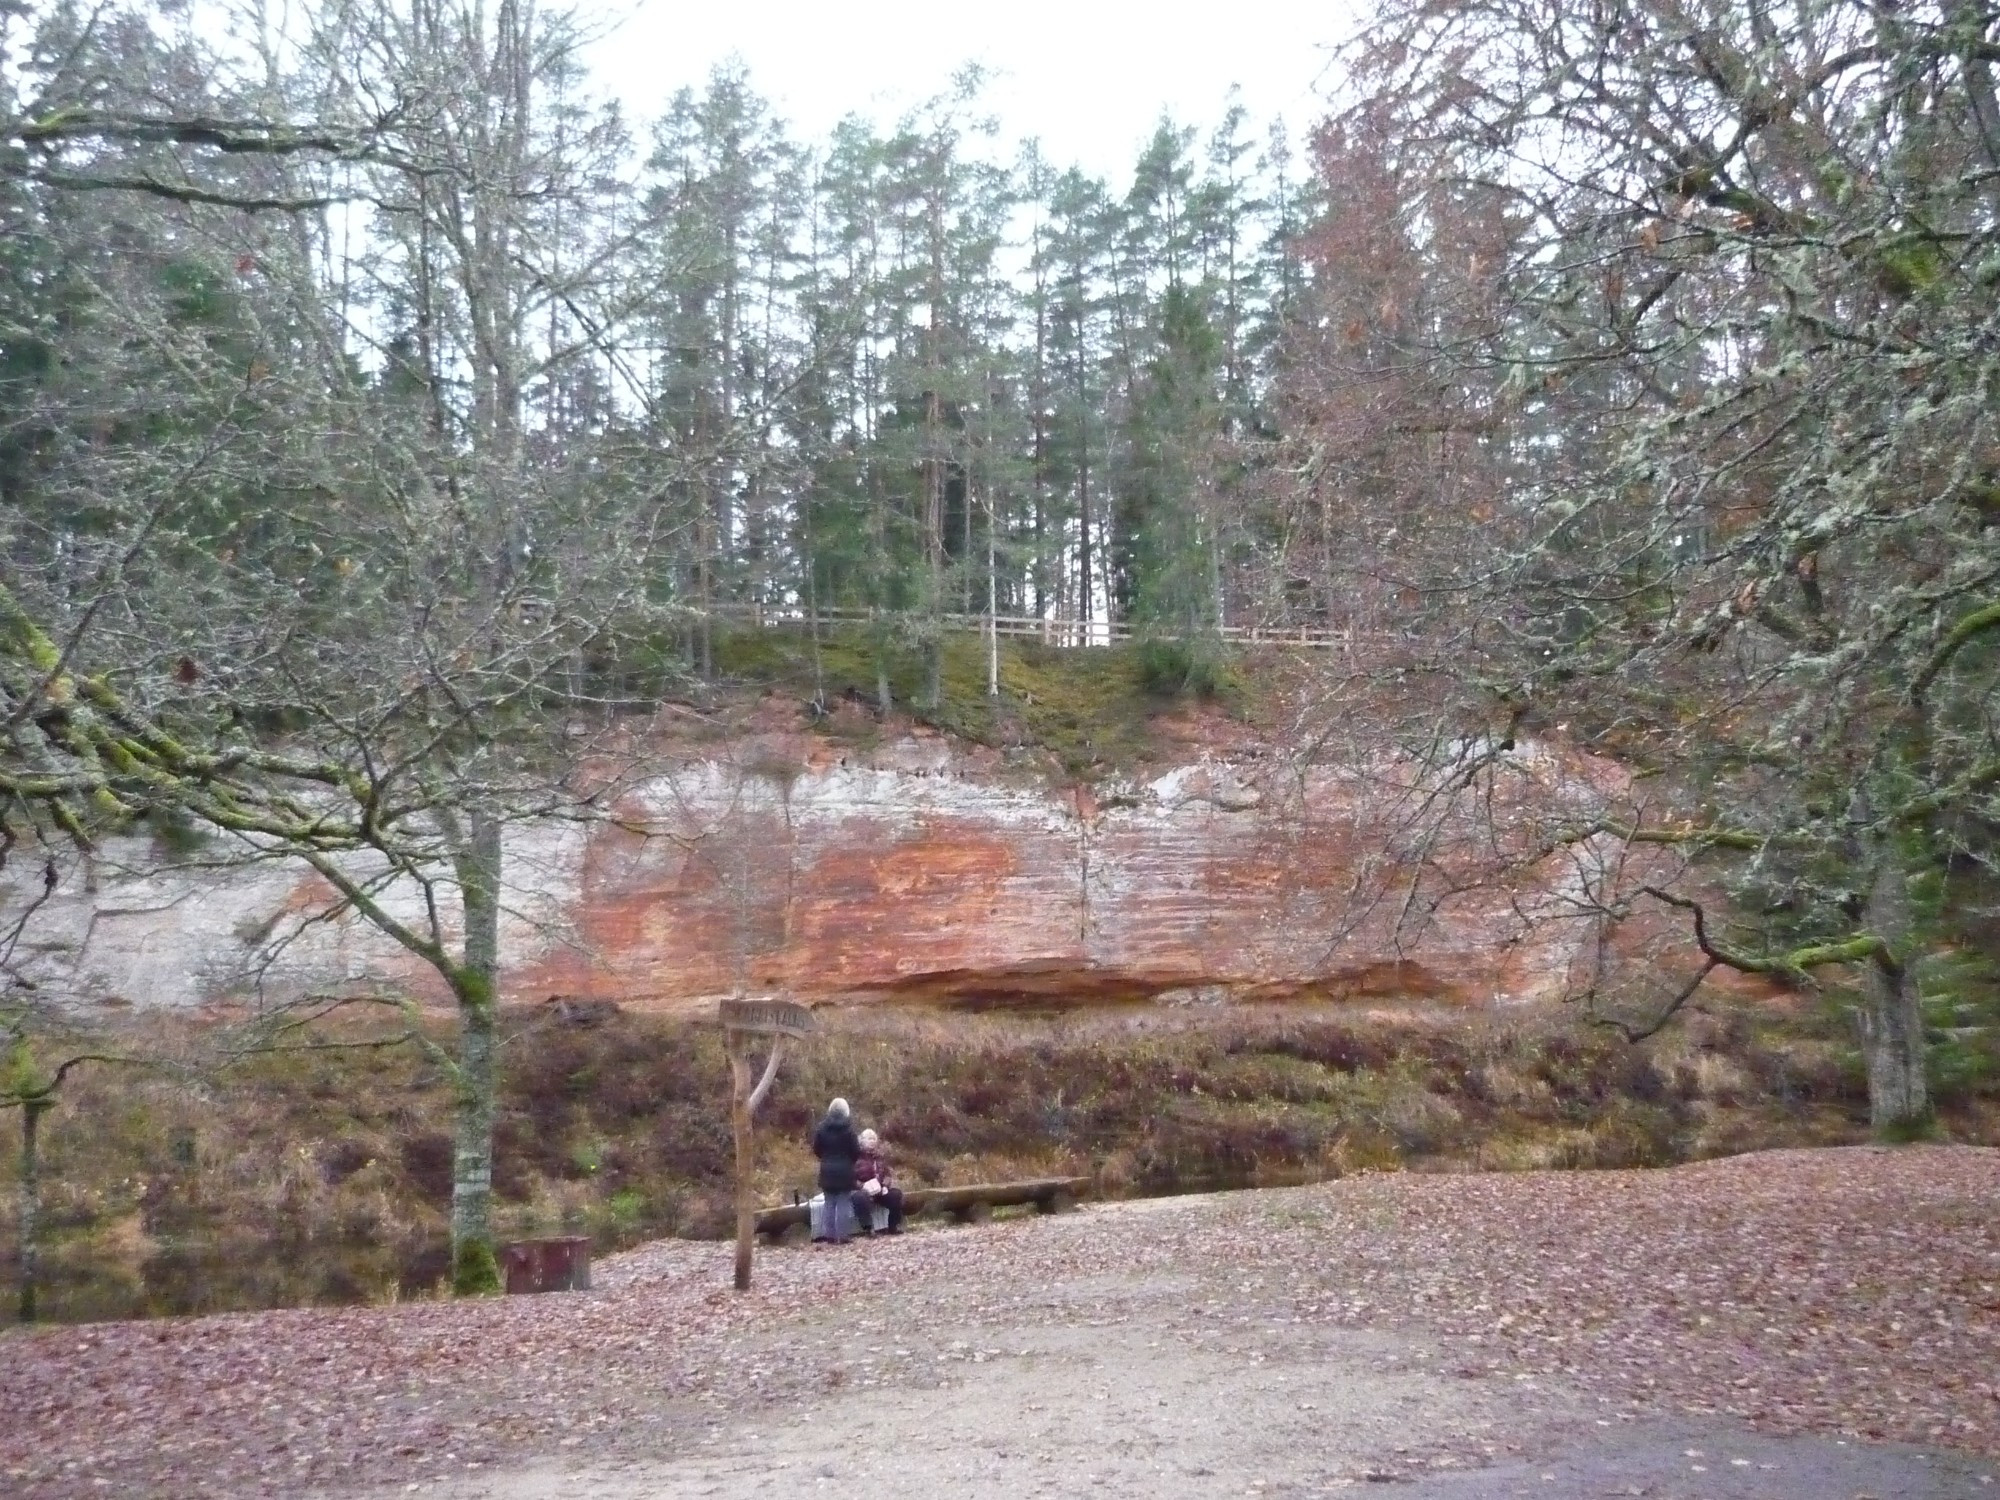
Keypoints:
pixel 836 1145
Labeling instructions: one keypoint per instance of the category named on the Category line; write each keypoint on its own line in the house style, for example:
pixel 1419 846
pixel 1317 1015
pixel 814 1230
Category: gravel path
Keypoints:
pixel 1623 1332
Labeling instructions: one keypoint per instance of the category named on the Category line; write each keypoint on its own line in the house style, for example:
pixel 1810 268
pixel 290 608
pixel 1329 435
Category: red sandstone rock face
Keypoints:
pixel 910 875
pixel 922 871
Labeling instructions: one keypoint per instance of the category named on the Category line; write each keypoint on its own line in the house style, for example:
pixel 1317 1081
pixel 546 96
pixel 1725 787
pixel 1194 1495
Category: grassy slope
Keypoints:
pixel 1088 711
pixel 615 1127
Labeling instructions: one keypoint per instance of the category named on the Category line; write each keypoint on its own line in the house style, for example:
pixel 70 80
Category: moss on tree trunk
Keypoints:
pixel 474 1270
pixel 32 1111
pixel 1891 1017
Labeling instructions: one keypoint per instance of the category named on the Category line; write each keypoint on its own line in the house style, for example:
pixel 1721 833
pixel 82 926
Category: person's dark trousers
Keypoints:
pixel 865 1206
pixel 864 1212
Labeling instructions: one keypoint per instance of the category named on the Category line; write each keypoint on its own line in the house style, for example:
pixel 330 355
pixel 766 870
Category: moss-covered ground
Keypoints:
pixel 1091 711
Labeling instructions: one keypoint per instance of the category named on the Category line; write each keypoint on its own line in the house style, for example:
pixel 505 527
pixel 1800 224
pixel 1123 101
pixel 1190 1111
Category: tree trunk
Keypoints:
pixel 1892 1017
pixel 992 604
pixel 474 1269
pixel 31 1205
pixel 739 1127
pixel 1086 596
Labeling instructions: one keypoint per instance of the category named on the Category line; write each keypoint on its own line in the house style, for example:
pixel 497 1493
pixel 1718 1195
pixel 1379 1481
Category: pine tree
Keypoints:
pixel 724 213
pixel 1082 224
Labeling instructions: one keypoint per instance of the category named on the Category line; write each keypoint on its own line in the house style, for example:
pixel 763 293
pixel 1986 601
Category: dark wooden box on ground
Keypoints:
pixel 557 1265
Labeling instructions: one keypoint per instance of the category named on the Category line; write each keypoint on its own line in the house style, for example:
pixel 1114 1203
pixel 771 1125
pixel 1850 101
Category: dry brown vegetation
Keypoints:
pixel 323 1176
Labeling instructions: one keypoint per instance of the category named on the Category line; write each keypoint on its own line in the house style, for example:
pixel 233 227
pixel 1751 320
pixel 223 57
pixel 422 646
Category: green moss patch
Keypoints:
pixel 1092 710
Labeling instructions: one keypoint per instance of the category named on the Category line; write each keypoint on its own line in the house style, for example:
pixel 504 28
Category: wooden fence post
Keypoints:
pixel 744 1022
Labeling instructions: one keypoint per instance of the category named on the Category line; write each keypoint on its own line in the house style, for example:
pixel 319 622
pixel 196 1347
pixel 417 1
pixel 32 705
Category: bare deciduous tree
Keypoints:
pixel 1743 335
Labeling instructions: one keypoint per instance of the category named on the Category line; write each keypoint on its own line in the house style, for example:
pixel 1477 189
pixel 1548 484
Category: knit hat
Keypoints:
pixel 870 1140
pixel 838 1109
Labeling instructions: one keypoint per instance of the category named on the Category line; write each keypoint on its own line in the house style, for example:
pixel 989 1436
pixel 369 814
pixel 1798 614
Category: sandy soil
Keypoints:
pixel 1112 1384
pixel 1132 1402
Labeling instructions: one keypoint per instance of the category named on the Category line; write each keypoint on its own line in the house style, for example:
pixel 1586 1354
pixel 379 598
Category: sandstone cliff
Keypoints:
pixel 921 869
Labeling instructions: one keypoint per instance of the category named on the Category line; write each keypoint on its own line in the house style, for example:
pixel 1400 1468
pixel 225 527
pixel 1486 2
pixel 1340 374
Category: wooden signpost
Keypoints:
pixel 744 1024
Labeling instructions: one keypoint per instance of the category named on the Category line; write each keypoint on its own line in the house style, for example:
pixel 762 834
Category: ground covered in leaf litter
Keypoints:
pixel 1597 1326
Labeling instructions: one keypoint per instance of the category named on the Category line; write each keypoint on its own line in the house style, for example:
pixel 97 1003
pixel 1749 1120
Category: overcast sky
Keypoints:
pixel 1090 77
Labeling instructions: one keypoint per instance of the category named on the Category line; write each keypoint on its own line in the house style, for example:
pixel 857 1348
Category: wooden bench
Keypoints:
pixel 970 1204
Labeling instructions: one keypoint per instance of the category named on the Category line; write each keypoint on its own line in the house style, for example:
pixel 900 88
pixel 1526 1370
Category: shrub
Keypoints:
pixel 1185 668
pixel 474 1271
pixel 427 1162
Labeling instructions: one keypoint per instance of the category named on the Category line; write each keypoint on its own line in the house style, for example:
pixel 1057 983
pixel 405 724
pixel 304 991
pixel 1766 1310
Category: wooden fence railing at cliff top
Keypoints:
pixel 1049 632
